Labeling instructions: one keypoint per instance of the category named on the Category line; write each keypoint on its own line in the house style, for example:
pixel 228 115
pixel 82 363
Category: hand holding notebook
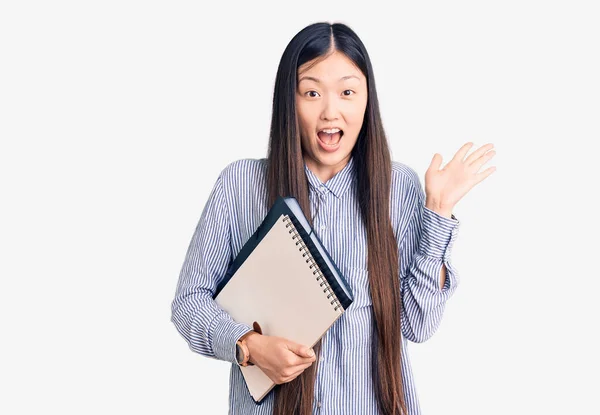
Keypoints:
pixel 279 358
pixel 284 279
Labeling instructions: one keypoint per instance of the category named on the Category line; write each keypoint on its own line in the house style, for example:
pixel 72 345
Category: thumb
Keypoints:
pixel 436 162
pixel 301 350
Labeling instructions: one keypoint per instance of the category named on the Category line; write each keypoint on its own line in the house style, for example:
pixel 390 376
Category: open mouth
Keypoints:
pixel 330 138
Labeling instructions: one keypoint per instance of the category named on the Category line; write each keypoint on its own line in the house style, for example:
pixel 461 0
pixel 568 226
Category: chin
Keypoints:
pixel 333 159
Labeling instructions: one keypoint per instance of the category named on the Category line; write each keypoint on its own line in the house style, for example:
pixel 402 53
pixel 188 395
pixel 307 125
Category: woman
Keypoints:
pixel 328 149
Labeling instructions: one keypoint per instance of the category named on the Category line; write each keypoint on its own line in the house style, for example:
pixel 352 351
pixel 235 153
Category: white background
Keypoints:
pixel 117 116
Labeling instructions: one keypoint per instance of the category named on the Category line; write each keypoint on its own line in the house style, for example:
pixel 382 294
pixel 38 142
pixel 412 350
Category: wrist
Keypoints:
pixel 439 208
pixel 252 343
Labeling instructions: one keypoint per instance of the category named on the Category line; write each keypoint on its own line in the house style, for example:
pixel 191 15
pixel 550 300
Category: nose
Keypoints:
pixel 330 110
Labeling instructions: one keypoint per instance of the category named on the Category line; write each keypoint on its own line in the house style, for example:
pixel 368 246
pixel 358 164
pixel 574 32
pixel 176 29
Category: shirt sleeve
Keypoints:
pixel 424 248
pixel 208 329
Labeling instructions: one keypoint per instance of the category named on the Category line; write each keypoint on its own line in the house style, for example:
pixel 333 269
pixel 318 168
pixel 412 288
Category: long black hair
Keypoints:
pixel 286 177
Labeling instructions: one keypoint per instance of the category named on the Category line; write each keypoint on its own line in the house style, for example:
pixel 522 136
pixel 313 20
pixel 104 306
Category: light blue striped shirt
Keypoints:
pixel 235 208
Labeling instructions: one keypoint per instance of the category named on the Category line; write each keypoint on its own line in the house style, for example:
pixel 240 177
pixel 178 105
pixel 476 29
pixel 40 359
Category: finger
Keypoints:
pixel 436 162
pixel 298 360
pixel 302 366
pixel 478 153
pixel 482 160
pixel 286 376
pixel 300 350
pixel 481 176
pixel 294 374
pixel 460 154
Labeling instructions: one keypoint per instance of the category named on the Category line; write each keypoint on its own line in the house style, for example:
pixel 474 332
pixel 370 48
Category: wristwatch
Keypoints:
pixel 241 348
pixel 241 351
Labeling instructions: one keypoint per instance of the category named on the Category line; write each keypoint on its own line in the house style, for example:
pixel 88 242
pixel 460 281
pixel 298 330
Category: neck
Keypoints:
pixel 325 172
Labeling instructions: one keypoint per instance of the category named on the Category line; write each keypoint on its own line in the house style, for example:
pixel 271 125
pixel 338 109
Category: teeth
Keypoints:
pixel 331 131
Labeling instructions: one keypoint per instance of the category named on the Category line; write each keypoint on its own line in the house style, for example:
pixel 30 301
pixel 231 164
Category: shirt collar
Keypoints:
pixel 337 185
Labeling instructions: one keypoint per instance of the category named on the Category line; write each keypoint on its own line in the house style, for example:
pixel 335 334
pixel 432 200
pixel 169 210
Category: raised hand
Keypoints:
pixel 445 187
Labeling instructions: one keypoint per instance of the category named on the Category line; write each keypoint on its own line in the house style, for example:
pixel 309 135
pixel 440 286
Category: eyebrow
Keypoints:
pixel 343 78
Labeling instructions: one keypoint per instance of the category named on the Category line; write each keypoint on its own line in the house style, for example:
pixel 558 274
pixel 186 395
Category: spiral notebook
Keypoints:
pixel 284 279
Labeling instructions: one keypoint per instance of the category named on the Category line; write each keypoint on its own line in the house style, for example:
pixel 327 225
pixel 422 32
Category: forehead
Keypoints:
pixel 330 69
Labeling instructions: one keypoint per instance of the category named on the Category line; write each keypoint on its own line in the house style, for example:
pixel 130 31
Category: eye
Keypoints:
pixel 308 92
pixel 348 90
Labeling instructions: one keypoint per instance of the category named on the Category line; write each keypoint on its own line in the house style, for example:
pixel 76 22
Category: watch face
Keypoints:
pixel 239 354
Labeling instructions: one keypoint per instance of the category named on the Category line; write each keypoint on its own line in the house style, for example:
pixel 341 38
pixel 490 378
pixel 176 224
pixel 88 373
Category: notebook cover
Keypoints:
pixel 289 206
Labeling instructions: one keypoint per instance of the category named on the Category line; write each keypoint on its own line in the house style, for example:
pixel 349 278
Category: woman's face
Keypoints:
pixel 330 95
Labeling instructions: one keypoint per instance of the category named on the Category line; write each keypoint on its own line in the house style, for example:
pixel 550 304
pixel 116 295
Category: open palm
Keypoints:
pixel 445 187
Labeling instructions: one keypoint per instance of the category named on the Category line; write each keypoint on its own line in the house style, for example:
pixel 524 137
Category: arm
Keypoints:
pixel 448 214
pixel 427 278
pixel 208 329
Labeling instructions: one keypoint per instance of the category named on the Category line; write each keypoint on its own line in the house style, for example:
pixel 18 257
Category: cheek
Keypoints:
pixel 306 120
pixel 302 115
pixel 356 116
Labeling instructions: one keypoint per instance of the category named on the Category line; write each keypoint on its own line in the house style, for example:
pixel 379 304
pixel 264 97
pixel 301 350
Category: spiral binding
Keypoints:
pixel 305 252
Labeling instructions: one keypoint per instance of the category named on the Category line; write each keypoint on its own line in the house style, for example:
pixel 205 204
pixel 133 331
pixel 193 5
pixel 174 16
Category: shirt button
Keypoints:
pixel 322 359
pixel 318 404
pixel 323 227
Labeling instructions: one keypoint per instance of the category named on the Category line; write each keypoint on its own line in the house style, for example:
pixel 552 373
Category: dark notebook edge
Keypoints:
pixel 336 280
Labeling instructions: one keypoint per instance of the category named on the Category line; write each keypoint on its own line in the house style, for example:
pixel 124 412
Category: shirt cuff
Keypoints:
pixel 439 233
pixel 225 332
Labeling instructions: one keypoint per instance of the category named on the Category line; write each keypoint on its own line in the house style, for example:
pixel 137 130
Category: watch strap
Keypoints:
pixel 241 343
